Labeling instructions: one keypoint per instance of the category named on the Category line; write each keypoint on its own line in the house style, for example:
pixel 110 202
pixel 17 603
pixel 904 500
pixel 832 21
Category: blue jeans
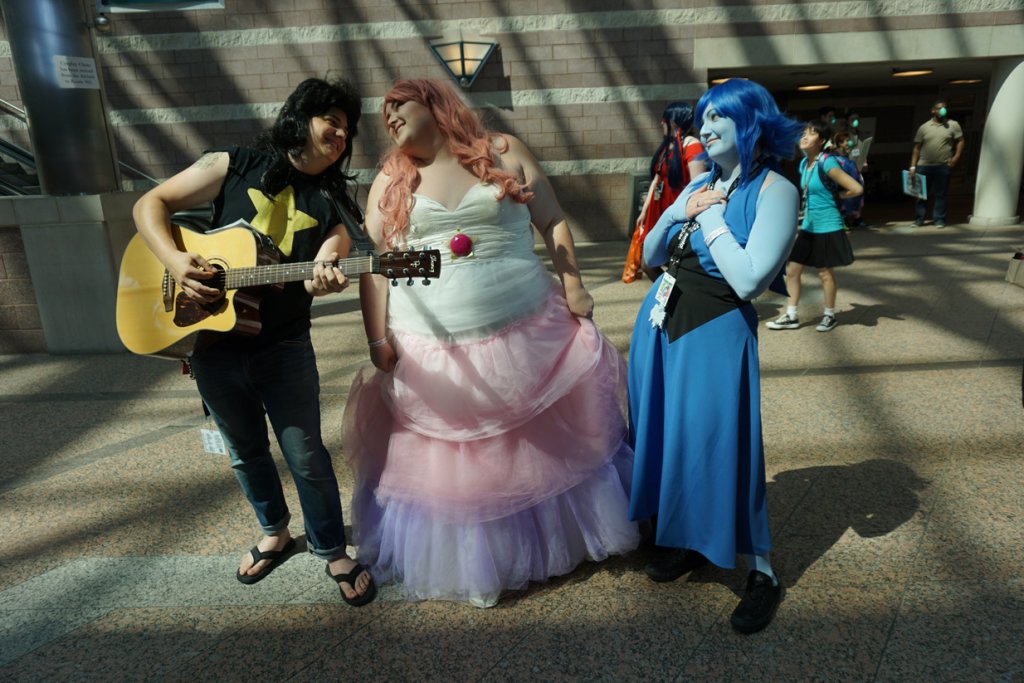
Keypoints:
pixel 938 183
pixel 241 389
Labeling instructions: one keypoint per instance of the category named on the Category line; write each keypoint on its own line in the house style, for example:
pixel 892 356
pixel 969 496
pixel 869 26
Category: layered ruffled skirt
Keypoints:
pixel 483 465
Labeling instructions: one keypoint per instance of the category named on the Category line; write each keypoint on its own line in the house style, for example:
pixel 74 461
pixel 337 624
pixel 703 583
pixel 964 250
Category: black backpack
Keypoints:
pixel 830 185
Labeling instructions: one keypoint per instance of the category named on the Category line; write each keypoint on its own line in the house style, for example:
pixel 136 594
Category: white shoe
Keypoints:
pixel 784 323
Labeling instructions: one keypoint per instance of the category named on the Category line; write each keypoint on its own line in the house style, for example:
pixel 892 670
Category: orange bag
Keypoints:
pixel 635 254
pixel 634 257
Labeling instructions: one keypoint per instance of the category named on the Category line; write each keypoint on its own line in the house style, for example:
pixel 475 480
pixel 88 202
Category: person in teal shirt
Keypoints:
pixel 821 241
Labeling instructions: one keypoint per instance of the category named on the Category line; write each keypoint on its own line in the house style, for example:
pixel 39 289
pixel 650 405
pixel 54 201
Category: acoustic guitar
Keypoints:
pixel 154 317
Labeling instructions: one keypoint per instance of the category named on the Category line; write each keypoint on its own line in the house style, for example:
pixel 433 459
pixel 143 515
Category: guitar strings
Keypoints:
pixel 284 272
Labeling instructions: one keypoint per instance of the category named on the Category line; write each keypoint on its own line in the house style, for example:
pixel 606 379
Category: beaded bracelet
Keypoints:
pixel 379 342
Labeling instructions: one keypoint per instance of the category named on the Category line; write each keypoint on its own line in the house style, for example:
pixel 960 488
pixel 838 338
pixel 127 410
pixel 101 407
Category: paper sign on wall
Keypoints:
pixel 76 72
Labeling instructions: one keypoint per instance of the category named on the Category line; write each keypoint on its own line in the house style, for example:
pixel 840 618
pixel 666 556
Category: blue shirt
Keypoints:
pixel 820 212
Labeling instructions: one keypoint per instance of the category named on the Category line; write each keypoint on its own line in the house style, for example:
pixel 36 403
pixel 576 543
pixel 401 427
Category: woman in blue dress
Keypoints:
pixel 694 382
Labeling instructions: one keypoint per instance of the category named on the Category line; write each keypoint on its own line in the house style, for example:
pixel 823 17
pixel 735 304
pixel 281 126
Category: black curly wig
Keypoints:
pixel 681 115
pixel 313 97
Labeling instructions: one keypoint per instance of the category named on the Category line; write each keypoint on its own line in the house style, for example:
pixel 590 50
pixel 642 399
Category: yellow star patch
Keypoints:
pixel 278 218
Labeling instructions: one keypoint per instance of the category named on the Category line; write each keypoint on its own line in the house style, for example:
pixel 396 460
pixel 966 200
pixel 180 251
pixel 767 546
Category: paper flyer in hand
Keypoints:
pixel 916 186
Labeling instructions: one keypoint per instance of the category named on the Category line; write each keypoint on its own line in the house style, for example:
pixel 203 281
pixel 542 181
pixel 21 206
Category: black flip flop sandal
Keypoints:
pixel 350 579
pixel 274 557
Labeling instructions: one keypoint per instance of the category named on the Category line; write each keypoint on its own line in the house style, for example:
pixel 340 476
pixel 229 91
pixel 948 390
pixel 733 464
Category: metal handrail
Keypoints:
pixel 18 153
pixel 24 158
pixel 12 189
pixel 14 110
pixel 138 174
pixel 20 114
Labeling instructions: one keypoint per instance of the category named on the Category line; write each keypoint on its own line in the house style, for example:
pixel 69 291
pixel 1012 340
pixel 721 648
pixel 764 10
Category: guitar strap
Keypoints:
pixel 361 242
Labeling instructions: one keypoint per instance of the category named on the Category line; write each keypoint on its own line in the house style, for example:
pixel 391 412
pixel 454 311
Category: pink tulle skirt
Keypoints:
pixel 483 465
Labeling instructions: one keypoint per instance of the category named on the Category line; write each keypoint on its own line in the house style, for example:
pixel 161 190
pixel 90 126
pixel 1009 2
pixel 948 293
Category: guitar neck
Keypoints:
pixel 275 273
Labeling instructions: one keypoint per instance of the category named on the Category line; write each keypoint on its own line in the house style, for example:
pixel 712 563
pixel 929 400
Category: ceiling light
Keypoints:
pixel 813 87
pixel 965 81
pixel 723 79
pixel 906 73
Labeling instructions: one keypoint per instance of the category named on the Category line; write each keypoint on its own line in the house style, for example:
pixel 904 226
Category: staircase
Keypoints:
pixel 15 177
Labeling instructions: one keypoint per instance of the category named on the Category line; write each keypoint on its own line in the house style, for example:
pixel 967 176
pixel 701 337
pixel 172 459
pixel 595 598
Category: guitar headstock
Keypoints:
pixel 423 263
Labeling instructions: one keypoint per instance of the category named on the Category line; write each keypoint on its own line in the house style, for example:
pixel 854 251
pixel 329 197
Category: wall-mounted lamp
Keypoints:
pixel 463 59
pixel 102 23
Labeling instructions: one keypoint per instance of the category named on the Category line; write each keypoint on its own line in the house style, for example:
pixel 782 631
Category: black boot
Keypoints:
pixel 757 607
pixel 673 563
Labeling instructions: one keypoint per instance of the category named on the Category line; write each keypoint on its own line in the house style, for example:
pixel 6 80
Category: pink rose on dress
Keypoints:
pixel 461 245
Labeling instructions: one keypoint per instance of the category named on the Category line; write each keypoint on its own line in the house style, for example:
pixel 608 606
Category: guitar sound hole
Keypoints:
pixel 218 279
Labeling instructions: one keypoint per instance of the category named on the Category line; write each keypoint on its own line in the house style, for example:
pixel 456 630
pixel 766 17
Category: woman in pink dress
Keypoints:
pixel 488 438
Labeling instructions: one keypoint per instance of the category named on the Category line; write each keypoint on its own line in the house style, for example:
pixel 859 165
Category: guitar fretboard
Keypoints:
pixel 255 276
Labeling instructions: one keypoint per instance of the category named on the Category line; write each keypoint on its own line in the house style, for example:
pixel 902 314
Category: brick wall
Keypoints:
pixel 20 328
pixel 582 83
pixel 174 81
pixel 172 78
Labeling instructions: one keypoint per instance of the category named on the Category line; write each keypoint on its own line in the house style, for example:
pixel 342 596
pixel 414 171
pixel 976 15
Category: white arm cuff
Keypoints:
pixel 715 234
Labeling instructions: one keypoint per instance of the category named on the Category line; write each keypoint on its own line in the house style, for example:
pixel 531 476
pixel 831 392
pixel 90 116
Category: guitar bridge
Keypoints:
pixel 167 288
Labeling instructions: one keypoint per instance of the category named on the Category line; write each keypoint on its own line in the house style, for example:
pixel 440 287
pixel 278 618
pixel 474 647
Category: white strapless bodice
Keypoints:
pixel 501 282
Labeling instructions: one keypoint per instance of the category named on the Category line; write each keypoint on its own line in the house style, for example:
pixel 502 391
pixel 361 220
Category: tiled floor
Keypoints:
pixel 895 488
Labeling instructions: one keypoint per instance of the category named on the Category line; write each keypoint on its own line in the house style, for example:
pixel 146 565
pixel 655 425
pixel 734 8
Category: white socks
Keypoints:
pixel 830 311
pixel 763 565
pixel 791 312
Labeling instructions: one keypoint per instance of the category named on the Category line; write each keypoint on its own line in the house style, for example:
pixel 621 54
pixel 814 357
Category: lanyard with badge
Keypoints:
pixel 805 182
pixel 668 281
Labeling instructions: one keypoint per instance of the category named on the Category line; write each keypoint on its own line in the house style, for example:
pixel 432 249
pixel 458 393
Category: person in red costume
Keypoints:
pixel 672 167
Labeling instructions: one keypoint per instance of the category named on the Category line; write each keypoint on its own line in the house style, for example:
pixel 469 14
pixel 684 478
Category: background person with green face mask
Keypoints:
pixel 938 145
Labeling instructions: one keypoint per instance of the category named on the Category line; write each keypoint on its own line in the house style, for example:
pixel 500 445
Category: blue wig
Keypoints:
pixel 760 126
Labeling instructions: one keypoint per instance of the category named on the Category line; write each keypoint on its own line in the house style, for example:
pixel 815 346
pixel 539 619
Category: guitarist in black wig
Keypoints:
pixel 291 185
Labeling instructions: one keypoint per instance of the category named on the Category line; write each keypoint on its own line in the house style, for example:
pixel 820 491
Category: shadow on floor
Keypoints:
pixel 813 507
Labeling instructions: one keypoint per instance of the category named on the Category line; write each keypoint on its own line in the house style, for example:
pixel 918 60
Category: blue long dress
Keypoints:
pixel 695 406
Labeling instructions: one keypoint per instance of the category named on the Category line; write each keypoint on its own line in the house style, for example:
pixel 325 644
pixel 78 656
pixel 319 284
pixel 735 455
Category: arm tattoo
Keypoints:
pixel 206 161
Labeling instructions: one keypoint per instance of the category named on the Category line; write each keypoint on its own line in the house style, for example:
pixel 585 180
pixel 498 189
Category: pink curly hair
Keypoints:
pixel 467 139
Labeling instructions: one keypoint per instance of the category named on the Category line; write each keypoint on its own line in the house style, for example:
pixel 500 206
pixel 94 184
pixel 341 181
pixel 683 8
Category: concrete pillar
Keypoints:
pixel 55 61
pixel 73 248
pixel 1002 147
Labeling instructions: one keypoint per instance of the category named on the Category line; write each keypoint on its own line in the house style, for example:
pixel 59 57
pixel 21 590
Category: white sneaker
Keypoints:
pixel 827 324
pixel 784 323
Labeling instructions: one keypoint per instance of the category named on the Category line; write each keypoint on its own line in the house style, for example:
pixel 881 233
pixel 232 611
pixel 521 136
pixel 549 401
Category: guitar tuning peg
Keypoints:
pixel 426 282
pixel 409 283
pixel 394 283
